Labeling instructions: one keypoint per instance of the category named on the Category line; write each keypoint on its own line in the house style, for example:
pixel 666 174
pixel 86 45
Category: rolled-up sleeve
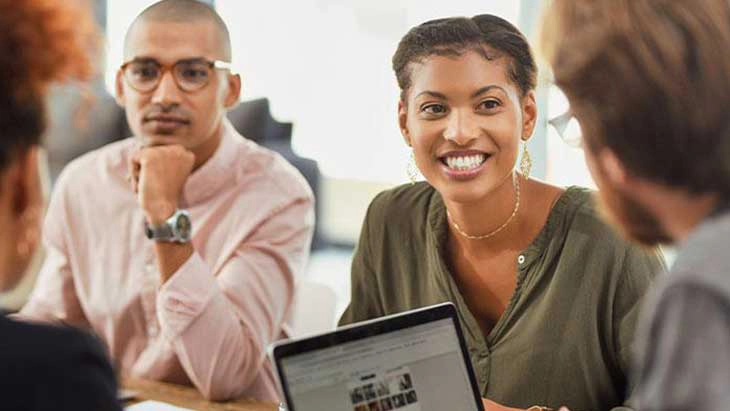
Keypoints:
pixel 221 321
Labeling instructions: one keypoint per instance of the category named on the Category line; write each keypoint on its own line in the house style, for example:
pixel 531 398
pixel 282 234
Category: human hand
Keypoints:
pixel 157 175
pixel 490 405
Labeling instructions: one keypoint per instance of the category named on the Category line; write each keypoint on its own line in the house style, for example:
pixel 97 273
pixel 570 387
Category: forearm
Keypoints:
pixel 220 345
pixel 222 360
pixel 170 257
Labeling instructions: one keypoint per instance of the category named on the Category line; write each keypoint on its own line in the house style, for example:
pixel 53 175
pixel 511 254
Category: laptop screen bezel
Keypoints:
pixel 371 328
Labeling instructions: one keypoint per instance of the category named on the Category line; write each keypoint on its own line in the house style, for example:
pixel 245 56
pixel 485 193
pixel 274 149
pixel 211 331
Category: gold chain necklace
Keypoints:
pixel 498 229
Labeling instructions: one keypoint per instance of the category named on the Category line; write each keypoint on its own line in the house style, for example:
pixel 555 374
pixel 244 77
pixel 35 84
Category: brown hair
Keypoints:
pixel 457 35
pixel 650 80
pixel 41 41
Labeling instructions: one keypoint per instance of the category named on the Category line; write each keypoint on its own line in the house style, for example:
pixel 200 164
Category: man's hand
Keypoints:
pixel 157 175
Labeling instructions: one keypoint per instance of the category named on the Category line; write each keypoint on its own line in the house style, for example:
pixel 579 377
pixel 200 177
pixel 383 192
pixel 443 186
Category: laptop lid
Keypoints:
pixel 412 361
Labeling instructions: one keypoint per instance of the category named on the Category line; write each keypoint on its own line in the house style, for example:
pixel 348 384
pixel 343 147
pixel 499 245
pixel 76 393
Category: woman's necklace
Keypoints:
pixel 498 229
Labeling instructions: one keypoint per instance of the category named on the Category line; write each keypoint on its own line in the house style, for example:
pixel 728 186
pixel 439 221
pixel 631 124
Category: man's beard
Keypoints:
pixel 632 219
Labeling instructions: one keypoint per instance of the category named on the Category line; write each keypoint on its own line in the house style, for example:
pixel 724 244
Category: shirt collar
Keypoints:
pixel 208 178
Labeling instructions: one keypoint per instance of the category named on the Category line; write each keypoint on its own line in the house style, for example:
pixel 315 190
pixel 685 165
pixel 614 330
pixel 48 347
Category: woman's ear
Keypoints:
pixel 403 122
pixel 529 115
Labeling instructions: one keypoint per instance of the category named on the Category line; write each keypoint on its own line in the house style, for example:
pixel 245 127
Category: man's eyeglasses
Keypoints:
pixel 568 129
pixel 144 75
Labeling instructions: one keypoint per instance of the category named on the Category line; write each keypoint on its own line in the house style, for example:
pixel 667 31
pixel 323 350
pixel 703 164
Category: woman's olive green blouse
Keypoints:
pixel 566 335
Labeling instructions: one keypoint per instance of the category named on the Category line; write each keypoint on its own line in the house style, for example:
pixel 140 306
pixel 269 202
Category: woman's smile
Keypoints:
pixel 463 165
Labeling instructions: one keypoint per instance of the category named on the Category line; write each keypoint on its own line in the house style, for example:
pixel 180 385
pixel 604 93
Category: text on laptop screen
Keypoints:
pixel 420 368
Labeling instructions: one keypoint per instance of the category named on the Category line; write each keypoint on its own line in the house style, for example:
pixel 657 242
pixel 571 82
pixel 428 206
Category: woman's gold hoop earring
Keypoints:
pixel 526 161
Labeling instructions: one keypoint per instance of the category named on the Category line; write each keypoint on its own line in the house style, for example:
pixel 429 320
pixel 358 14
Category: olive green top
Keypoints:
pixel 566 335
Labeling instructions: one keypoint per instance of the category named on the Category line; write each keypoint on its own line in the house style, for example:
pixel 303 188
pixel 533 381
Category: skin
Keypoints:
pixel 21 205
pixel 178 130
pixel 468 105
pixel 674 212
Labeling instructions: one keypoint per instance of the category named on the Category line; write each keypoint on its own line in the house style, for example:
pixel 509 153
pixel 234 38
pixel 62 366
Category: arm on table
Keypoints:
pixel 221 323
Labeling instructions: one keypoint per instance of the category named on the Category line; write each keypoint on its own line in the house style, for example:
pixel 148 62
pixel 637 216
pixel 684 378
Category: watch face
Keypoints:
pixel 183 226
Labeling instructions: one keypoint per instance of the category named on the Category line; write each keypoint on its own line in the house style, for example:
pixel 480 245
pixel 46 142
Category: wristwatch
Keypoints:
pixel 176 229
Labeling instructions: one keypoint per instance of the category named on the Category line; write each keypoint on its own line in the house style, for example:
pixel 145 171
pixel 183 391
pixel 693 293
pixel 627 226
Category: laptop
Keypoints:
pixel 412 361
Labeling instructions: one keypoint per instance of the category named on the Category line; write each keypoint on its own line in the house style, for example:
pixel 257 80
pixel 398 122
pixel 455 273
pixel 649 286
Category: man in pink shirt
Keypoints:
pixel 173 304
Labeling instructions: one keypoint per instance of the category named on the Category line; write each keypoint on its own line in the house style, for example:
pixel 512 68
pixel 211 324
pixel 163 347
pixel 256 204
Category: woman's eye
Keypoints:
pixel 434 109
pixel 489 104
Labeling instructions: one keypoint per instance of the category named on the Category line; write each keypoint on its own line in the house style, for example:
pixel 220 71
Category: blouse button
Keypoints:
pixel 521 259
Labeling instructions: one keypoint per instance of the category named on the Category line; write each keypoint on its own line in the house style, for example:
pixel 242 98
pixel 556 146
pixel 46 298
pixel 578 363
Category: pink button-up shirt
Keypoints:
pixel 210 323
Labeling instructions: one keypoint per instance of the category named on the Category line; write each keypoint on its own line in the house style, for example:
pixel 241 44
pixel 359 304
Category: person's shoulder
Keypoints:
pixel 70 366
pixel 270 169
pixel 581 217
pixel 587 234
pixel 43 345
pixel 97 166
pixel 402 206
pixel 703 259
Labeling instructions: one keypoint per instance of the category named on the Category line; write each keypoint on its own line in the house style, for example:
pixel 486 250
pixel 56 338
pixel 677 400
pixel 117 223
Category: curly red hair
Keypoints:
pixel 41 42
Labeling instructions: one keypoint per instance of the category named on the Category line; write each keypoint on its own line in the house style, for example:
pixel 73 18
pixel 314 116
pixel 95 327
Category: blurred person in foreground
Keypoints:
pixel 41 367
pixel 179 246
pixel 649 83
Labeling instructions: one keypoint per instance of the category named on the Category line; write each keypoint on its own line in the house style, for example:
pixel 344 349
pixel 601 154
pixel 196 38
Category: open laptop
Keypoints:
pixel 413 361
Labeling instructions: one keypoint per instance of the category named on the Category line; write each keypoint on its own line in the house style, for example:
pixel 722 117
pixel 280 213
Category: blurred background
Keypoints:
pixel 318 88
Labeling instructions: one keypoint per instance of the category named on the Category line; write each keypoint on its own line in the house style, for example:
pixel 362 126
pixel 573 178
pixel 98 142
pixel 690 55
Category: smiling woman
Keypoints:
pixel 547 293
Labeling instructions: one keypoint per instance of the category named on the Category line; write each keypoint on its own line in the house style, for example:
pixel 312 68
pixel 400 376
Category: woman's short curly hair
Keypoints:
pixel 489 35
pixel 41 42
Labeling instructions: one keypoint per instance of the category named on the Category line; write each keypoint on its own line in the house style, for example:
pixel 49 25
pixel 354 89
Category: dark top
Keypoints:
pixel 565 337
pixel 45 367
pixel 684 354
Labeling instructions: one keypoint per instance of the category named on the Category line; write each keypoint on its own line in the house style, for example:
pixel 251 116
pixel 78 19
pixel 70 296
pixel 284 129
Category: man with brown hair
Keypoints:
pixel 649 82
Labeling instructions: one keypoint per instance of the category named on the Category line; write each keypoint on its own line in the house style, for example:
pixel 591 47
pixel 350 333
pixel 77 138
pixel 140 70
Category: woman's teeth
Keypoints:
pixel 463 163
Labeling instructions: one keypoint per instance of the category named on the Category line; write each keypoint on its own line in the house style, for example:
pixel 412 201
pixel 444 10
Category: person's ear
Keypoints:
pixel 529 115
pixel 233 91
pixel 119 88
pixel 403 122
pixel 613 169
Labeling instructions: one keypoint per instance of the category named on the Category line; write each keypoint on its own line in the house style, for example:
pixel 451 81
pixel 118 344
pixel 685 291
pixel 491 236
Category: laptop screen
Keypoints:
pixel 419 368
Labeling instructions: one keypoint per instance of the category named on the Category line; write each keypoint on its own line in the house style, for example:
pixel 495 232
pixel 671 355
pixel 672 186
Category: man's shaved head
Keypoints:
pixel 183 11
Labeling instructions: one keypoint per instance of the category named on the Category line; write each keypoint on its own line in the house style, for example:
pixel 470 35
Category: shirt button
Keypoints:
pixel 151 330
pixel 149 268
pixel 521 259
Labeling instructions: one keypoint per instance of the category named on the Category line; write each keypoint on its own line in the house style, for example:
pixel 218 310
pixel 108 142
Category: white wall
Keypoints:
pixel 325 66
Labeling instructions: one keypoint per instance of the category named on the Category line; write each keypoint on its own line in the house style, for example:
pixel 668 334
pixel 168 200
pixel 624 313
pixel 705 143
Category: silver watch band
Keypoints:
pixel 175 229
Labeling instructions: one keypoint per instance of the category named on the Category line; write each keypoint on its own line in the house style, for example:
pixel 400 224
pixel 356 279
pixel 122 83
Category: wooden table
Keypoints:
pixel 188 397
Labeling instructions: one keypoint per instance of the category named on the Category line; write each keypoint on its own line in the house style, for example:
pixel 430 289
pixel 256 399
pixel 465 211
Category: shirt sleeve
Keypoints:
pixel 220 323
pixel 54 297
pixel 365 303
pixel 639 269
pixel 685 363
